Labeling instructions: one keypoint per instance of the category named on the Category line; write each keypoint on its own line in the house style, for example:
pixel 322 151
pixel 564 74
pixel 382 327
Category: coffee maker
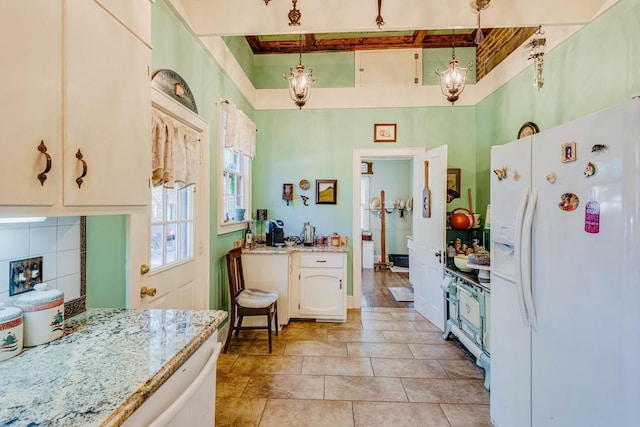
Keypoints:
pixel 275 233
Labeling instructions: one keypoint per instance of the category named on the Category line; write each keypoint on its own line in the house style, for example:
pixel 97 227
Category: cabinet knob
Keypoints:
pixel 147 292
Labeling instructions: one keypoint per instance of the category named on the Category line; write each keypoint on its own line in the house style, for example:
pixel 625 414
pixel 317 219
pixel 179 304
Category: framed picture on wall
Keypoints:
pixel 453 179
pixel 326 191
pixel 385 132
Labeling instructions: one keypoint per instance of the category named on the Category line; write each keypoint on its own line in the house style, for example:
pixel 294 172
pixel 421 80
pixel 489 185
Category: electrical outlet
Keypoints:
pixel 24 274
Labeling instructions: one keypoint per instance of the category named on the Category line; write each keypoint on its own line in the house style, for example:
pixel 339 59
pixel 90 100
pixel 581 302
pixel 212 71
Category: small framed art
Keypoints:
pixel 326 191
pixel 385 132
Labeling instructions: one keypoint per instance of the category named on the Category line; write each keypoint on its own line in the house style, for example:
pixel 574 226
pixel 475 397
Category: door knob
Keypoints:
pixel 439 256
pixel 144 269
pixel 150 292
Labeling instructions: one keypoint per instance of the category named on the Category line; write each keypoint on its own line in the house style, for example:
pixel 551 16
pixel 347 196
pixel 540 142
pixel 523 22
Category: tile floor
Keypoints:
pixel 383 367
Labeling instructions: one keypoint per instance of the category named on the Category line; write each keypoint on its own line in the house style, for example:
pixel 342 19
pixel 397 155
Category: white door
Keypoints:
pixel 174 250
pixel 429 235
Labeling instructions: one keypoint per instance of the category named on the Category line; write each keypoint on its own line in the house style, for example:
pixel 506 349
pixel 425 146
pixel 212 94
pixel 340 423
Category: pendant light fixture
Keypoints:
pixel 480 5
pixel 379 18
pixel 536 52
pixel 294 15
pixel 453 79
pixel 300 82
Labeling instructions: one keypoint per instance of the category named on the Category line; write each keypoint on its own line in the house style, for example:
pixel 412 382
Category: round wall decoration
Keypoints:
pixel 529 128
pixel 304 184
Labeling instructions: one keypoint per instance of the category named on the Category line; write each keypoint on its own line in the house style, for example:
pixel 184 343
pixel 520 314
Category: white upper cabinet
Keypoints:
pixel 79 82
pixel 30 102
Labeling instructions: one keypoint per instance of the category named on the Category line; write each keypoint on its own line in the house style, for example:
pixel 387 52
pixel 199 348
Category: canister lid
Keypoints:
pixel 8 314
pixel 40 296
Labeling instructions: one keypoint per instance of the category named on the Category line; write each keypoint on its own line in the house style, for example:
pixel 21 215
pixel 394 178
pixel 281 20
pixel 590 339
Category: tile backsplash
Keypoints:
pixel 56 240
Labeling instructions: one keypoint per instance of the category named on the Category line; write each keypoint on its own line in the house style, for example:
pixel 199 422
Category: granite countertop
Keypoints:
pixel 263 249
pixel 104 367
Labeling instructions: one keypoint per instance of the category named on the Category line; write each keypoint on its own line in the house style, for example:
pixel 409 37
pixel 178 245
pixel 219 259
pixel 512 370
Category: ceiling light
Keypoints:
pixel 266 2
pixel 480 5
pixel 22 219
pixel 536 52
pixel 300 82
pixel 452 80
pixel 379 19
pixel 294 14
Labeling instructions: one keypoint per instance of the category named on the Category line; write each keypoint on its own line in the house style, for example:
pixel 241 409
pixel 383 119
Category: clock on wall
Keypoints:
pixel 529 128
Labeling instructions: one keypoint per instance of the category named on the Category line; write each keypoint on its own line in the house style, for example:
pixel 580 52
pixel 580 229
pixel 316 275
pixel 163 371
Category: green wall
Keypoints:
pixel 596 68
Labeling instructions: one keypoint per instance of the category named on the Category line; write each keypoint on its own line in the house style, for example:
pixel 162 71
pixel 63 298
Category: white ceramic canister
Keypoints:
pixel 11 329
pixel 43 315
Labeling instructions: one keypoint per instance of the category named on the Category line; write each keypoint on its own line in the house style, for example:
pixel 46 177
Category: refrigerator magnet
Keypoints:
pixel 551 177
pixel 590 170
pixel 501 173
pixel 569 152
pixel 568 202
pixel 516 175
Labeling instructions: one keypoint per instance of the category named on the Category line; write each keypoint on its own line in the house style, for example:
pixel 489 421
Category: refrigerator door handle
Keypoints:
pixel 526 258
pixel 522 205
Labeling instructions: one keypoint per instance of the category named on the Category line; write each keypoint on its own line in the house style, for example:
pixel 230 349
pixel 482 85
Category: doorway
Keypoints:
pixel 359 156
pixel 385 258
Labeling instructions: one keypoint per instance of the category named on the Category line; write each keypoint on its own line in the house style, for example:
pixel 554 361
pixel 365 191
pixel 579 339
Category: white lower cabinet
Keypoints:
pixel 323 286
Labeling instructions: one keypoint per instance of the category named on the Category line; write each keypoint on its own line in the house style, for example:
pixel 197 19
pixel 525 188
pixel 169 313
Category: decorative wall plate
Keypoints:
pixel 304 184
pixel 529 128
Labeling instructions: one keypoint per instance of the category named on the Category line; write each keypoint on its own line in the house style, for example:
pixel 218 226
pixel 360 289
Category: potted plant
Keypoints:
pixel 239 215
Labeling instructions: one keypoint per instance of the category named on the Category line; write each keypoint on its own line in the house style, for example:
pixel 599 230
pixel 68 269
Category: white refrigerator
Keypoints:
pixel 565 309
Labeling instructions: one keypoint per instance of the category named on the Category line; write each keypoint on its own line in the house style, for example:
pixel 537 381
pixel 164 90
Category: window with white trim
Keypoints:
pixel 171 225
pixel 234 185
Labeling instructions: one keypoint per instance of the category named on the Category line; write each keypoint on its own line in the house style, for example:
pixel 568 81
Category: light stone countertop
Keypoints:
pixel 105 366
pixel 263 249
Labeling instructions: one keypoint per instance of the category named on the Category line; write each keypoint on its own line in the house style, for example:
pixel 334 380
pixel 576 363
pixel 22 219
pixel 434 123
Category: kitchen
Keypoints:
pixel 502 102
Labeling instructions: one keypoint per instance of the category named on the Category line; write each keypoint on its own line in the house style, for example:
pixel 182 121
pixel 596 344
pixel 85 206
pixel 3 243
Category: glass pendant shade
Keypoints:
pixel 452 80
pixel 300 82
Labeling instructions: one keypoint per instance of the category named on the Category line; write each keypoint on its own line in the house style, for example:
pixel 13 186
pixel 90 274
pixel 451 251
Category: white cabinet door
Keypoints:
pixel 322 292
pixel 30 106
pixel 107 110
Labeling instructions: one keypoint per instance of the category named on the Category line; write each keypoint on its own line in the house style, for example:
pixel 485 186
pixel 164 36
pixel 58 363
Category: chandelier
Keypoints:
pixel 536 52
pixel 452 80
pixel 300 82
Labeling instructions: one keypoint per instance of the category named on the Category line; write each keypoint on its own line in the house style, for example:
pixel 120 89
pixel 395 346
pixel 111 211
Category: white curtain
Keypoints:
pixel 240 132
pixel 175 152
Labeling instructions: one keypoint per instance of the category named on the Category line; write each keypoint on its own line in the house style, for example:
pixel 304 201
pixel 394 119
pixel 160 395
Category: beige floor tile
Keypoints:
pixel 446 391
pixel 462 369
pixel 303 334
pixel 266 365
pixel 355 336
pixel 467 415
pixel 383 325
pixel 391 351
pixel 364 388
pixel 226 361
pixel 412 368
pixel 300 324
pixel 243 412
pixel 308 413
pixel 316 348
pixel 412 337
pixel 425 325
pixel 349 324
pixel 255 346
pixel 230 384
pixel 285 387
pixel 393 310
pixel 372 315
pixel 403 316
pixel 398 414
pixel 348 366
pixel 444 351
